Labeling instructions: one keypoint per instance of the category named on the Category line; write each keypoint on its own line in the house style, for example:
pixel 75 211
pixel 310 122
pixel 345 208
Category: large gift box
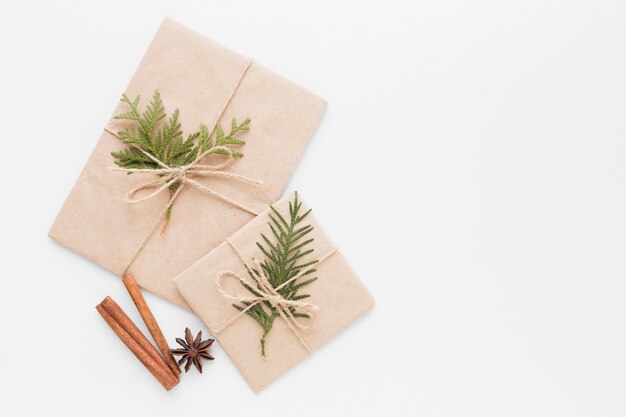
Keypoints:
pixel 274 291
pixel 206 82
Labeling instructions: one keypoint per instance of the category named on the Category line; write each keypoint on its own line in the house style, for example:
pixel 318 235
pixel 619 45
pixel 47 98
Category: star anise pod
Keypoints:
pixel 193 351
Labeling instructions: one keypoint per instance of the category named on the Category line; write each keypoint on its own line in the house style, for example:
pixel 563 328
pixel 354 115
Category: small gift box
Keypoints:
pixel 274 291
pixel 216 183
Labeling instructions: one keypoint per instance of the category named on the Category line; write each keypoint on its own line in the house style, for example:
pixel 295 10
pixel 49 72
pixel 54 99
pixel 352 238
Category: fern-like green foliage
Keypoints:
pixel 283 252
pixel 165 141
pixel 162 137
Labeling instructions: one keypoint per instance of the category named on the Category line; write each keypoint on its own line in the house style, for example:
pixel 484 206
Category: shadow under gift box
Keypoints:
pixel 197 76
pixel 338 293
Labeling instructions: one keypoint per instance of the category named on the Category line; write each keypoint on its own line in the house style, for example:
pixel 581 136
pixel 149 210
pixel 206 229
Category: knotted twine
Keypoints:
pixel 267 293
pixel 183 175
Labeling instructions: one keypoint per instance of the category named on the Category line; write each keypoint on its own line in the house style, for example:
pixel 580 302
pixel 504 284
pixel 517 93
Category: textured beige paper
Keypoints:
pixel 196 75
pixel 338 292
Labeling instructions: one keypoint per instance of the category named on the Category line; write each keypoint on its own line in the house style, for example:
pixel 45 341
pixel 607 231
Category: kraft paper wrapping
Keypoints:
pixel 338 292
pixel 197 76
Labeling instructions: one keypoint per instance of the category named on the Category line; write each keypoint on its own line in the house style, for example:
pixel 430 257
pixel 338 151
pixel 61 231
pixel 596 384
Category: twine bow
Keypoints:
pixel 265 292
pixel 168 176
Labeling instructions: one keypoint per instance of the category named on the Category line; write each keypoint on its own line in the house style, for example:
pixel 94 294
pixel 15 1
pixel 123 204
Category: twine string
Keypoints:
pixel 265 292
pixel 183 175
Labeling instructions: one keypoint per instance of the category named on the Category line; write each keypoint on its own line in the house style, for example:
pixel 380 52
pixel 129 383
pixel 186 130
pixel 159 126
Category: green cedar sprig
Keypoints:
pixel 283 260
pixel 163 139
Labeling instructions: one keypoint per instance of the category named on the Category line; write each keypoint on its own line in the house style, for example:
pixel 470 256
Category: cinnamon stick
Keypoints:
pixel 121 324
pixel 148 318
pixel 127 324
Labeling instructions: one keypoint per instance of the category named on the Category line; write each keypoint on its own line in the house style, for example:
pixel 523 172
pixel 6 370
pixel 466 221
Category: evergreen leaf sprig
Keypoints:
pixel 283 253
pixel 164 140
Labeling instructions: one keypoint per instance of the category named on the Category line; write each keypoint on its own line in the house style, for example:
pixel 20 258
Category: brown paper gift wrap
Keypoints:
pixel 197 76
pixel 338 292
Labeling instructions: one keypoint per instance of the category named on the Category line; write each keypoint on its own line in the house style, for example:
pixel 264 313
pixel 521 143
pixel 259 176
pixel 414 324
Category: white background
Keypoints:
pixel 471 167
